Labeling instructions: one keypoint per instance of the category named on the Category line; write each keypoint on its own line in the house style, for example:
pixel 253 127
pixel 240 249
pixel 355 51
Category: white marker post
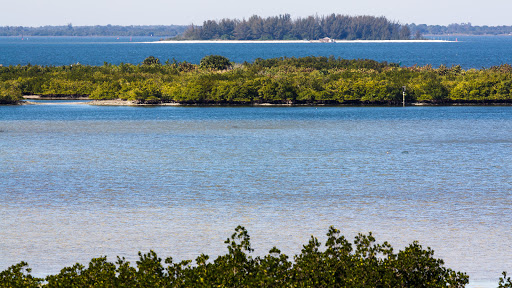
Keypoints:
pixel 403 93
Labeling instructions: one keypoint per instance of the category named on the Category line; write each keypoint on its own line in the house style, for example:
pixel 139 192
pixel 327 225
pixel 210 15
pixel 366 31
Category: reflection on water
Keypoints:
pixel 81 181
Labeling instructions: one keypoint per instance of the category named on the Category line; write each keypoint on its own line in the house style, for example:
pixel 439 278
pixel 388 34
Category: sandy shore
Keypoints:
pixel 53 103
pixel 87 101
pixel 39 97
pixel 134 103
pixel 126 103
pixel 289 41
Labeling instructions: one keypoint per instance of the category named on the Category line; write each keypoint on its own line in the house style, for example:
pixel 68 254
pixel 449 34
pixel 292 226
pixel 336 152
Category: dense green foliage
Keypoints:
pixel 282 27
pixel 108 30
pixel 462 28
pixel 10 92
pixel 363 263
pixel 18 275
pixel 215 62
pixel 308 80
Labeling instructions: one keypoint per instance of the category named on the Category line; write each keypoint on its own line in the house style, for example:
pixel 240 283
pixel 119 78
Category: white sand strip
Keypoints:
pixel 289 41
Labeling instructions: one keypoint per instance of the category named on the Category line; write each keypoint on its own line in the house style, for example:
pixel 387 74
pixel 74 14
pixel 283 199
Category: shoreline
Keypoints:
pixel 119 102
pixel 289 41
pixel 39 97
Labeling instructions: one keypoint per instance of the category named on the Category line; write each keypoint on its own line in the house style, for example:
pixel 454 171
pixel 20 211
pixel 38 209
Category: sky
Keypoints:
pixel 184 12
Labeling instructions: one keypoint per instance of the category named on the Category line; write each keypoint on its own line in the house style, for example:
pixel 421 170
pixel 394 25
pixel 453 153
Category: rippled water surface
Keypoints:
pixel 81 181
pixel 469 52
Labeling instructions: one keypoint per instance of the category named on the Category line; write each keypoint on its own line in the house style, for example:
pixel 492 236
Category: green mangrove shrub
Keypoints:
pixel 215 62
pixel 341 263
pixel 307 80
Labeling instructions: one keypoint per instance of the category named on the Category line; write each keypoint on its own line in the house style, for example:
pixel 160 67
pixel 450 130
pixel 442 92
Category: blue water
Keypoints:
pixel 80 181
pixel 469 52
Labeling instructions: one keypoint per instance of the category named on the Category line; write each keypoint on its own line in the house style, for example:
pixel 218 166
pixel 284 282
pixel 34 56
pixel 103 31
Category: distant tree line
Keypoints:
pixel 459 29
pixel 107 30
pixel 295 81
pixel 283 27
pixel 280 27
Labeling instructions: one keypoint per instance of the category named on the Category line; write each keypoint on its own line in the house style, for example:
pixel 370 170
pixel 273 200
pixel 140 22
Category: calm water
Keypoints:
pixel 469 52
pixel 80 181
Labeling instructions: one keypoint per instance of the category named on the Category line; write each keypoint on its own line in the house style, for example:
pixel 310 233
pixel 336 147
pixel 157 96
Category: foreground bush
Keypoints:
pixel 363 263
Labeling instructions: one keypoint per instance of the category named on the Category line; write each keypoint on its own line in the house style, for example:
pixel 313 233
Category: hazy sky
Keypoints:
pixel 184 12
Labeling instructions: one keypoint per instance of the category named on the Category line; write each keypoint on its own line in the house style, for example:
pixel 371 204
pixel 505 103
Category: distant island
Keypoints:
pixel 283 27
pixel 106 30
pixel 459 29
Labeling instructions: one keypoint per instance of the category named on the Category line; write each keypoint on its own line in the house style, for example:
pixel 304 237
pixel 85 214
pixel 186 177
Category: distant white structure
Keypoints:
pixel 324 40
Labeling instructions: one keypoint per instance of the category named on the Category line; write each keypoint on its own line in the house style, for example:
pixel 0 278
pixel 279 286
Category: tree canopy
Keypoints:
pixel 215 62
pixel 283 27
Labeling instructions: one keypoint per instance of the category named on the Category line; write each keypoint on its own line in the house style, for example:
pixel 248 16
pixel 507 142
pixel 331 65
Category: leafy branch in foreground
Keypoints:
pixel 505 281
pixel 18 275
pixel 363 263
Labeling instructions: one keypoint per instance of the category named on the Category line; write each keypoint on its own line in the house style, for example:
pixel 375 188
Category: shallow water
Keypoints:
pixel 81 181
